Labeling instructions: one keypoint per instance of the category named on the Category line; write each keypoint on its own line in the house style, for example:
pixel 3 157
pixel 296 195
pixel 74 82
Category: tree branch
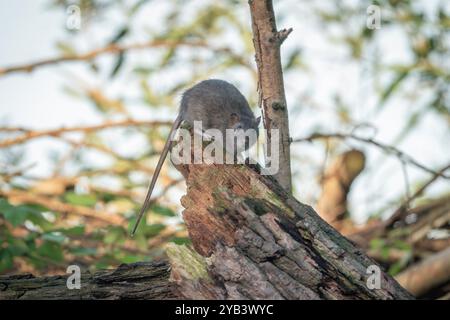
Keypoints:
pixel 336 183
pixel 30 134
pixel 267 41
pixel 402 210
pixel 386 148
pixel 111 49
pixel 426 275
pixel 117 49
pixel 145 280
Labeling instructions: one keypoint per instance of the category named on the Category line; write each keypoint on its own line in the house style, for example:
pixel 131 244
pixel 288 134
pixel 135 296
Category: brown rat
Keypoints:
pixel 218 105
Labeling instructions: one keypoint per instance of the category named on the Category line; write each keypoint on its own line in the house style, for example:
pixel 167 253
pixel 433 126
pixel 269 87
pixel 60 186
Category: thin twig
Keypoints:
pixel 102 148
pixel 117 49
pixel 30 134
pixel 113 48
pixel 13 129
pixel 404 206
pixel 386 148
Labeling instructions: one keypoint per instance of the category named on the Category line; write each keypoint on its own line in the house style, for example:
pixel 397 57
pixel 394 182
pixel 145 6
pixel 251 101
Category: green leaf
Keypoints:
pixel 130 258
pixel 384 252
pixel 119 35
pixel 395 268
pixel 65 48
pixel 163 211
pixel 54 237
pixel 12 214
pixel 140 240
pixel 149 96
pixel 80 251
pixel 168 57
pixel 17 246
pixel 294 60
pixel 38 219
pixel 180 240
pixel 6 260
pixel 377 243
pixel 73 231
pixel 87 200
pixel 145 231
pixel 102 265
pixel 107 197
pixel 37 262
pixel 52 250
pixel 136 7
pixel 400 265
pixel 392 87
pixel 151 230
pixel 114 235
pixel 402 245
pixel 119 62
pixel 144 71
pixel 15 215
pixel 413 120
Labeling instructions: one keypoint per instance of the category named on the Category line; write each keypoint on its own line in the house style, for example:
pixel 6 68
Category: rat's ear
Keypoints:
pixel 258 121
pixel 234 118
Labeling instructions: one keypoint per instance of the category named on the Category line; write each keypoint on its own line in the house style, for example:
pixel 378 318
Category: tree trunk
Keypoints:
pixel 267 41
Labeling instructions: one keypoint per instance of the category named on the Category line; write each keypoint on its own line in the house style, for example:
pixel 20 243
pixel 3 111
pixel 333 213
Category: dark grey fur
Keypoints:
pixel 219 105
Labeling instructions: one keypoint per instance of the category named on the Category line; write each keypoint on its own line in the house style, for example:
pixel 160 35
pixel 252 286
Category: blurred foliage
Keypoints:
pixel 427 39
pixel 214 38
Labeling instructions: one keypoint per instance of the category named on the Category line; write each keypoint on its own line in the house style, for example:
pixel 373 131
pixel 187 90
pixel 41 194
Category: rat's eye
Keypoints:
pixel 234 119
pixel 237 126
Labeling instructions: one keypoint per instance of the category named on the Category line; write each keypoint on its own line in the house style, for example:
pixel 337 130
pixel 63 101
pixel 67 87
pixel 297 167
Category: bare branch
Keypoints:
pixel 142 280
pixel 403 208
pixel 267 41
pixel 386 148
pixel 117 49
pixel 426 275
pixel 336 183
pixel 282 35
pixel 30 134
pixel 111 49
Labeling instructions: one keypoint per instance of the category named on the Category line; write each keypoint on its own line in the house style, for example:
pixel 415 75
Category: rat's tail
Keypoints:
pixel 163 156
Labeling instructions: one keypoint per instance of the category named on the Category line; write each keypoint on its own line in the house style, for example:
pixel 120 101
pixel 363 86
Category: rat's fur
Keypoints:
pixel 218 105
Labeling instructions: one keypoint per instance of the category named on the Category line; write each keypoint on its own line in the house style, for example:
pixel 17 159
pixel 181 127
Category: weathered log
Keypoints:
pixel 149 280
pixel 261 243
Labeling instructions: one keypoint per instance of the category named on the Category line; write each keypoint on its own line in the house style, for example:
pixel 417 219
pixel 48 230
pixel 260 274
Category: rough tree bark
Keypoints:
pixel 267 41
pixel 132 281
pixel 261 243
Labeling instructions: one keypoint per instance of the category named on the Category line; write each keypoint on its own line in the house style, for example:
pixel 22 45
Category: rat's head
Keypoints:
pixel 246 130
pixel 244 122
